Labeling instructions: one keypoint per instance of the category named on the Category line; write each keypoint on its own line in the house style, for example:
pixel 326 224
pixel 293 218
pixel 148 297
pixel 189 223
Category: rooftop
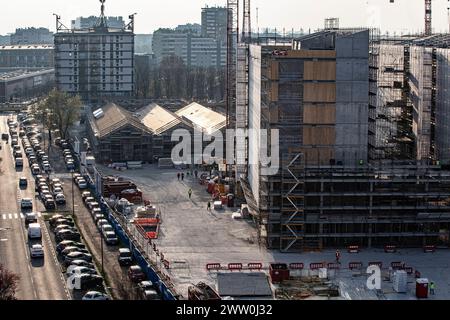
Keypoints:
pixel 28 47
pixel 114 117
pixel 20 74
pixel 204 118
pixel 157 119
pixel 93 31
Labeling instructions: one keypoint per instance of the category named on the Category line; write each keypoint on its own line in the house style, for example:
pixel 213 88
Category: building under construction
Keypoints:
pixel 327 193
pixel 409 96
pixel 95 62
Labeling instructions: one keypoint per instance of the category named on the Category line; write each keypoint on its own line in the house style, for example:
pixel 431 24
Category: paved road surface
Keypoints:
pixel 39 279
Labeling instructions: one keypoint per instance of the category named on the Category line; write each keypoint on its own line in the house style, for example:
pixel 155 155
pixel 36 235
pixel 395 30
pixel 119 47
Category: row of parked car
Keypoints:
pixel 76 258
pixel 103 225
pixel 67 153
pixel 145 289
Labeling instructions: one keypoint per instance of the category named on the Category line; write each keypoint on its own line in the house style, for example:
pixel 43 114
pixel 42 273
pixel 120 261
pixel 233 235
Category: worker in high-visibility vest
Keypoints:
pixel 432 287
pixel 338 255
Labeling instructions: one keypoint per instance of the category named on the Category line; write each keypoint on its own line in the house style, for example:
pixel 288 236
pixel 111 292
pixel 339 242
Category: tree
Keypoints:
pixel 58 110
pixel 8 284
pixel 142 70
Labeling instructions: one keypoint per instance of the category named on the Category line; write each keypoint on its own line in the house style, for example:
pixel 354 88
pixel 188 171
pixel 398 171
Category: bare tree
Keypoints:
pixel 8 284
pixel 142 70
pixel 58 110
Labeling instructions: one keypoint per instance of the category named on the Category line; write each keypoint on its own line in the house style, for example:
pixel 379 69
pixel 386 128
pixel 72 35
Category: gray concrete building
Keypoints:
pixel 24 36
pixel 22 84
pixel 214 23
pixel 26 57
pixel 195 51
pixel 95 62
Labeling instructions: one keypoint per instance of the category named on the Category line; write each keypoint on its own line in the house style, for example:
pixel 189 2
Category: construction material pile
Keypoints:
pixel 303 288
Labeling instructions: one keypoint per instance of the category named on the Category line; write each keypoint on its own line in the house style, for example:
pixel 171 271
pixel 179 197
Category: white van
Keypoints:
pixel 34 231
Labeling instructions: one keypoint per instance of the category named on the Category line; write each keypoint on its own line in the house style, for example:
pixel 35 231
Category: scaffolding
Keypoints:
pixel 316 201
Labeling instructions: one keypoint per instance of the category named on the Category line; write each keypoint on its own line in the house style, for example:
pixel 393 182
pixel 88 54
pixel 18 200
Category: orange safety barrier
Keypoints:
pixel 390 249
pixel 296 266
pixel 315 266
pixel 254 266
pixel 333 266
pixel 166 264
pixel 397 265
pixel 146 221
pixel 213 266
pixel 355 265
pixel 235 266
pixel 376 263
pixel 428 249
pixel 353 249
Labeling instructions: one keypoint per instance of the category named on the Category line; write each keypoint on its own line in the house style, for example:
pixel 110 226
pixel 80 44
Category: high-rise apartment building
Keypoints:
pixel 214 23
pixel 95 62
pixel 195 51
pixel 26 57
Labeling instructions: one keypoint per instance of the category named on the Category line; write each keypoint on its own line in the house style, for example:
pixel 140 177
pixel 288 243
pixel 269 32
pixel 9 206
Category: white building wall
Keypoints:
pixel 421 83
pixel 254 143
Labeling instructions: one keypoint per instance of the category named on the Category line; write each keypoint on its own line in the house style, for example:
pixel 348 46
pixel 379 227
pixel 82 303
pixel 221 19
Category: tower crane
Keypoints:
pixel 428 17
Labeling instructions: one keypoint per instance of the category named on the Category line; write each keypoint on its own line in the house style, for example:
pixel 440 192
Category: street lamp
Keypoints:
pixel 73 195
pixel 101 246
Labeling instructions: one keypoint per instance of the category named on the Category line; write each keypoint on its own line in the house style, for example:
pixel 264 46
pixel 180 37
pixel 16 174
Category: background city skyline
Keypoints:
pixel 403 16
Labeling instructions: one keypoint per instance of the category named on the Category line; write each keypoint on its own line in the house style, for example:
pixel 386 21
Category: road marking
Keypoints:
pixel 10 216
pixel 4 217
pixel 22 216
pixel 3 240
pixel 16 216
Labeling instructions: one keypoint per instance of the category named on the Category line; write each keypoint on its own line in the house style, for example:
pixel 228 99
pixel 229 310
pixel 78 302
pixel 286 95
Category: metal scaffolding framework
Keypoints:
pixel 246 23
pixel 232 41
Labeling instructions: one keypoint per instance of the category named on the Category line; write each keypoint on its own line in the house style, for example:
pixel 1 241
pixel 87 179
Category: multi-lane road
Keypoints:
pixel 39 279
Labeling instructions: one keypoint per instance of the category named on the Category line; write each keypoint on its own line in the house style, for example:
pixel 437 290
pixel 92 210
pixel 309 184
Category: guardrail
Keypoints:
pixel 130 241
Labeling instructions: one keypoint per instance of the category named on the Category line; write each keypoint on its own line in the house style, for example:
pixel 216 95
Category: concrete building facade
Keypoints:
pixel 26 57
pixel 195 51
pixel 25 84
pixel 214 23
pixel 325 193
pixel 95 62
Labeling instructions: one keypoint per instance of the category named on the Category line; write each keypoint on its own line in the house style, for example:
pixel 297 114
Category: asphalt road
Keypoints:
pixel 39 279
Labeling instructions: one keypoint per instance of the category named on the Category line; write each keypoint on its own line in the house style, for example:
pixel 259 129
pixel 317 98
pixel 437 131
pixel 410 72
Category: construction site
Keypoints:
pixel 362 121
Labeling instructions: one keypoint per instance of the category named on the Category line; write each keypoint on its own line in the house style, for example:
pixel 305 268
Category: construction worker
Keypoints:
pixel 338 255
pixel 190 193
pixel 432 287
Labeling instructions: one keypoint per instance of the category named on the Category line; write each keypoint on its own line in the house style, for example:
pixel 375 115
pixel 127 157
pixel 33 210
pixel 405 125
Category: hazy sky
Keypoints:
pixel 402 16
